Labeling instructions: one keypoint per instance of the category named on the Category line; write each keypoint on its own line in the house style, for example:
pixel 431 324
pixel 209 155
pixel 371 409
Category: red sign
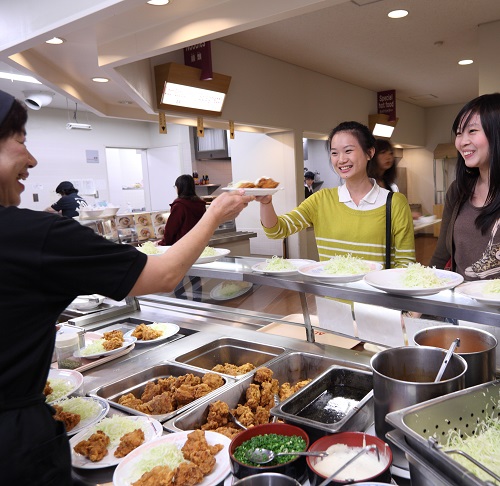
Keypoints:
pixel 386 103
pixel 200 56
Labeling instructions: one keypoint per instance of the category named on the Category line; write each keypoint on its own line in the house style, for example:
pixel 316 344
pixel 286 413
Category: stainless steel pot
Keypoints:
pixel 405 376
pixel 477 347
pixel 267 479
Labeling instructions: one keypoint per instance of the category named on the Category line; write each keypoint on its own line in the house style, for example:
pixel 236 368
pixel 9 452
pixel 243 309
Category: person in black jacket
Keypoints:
pixel 69 203
pixel 308 183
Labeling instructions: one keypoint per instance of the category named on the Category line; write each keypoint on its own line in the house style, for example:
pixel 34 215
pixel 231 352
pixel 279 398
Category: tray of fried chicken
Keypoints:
pixel 250 399
pixel 263 186
pixel 162 391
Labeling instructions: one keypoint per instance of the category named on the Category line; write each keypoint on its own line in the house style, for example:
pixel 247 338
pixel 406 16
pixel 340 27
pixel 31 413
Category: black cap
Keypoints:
pixel 6 102
pixel 65 186
pixel 309 175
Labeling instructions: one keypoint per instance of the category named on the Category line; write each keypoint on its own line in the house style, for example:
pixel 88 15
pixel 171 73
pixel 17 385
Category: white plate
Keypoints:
pixel 168 329
pixel 317 271
pixel 475 291
pixel 124 471
pixel 221 252
pixel 127 341
pixel 391 281
pixel 73 378
pixel 216 292
pixel 255 191
pixel 87 302
pixel 100 413
pixel 297 263
pixel 151 428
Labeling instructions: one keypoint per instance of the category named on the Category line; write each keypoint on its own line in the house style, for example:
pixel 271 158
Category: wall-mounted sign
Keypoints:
pixel 200 56
pixel 386 103
pixel 92 156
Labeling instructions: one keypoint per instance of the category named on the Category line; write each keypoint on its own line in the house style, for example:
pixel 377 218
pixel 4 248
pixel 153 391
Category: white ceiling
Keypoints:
pixel 350 40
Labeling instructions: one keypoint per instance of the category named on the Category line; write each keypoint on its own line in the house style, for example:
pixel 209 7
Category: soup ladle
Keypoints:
pixel 455 344
pixel 263 456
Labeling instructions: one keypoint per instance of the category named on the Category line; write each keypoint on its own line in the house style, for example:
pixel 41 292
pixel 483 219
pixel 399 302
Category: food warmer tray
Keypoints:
pixel 136 384
pixel 426 425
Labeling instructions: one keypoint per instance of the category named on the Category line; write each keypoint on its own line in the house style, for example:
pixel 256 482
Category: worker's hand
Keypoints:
pixel 264 199
pixel 229 204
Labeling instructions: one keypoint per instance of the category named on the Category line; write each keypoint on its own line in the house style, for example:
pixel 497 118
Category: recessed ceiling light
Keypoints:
pixel 464 62
pixel 158 2
pixel 100 80
pixel 397 14
pixel 19 77
pixel 55 40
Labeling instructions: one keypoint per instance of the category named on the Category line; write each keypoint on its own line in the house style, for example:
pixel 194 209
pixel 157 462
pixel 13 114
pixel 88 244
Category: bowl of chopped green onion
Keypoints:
pixel 278 437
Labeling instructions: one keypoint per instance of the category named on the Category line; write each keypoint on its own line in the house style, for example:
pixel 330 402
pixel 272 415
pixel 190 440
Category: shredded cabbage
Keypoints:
pixel 93 348
pixel 492 286
pixel 60 388
pixel 230 288
pixel 277 263
pixel 208 252
pixel 159 326
pixel 346 265
pixel 85 408
pixel 116 427
pixel 149 248
pixel 162 455
pixel 417 275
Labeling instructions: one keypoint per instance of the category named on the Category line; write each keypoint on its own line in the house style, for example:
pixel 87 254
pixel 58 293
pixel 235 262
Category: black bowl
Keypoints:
pixel 297 468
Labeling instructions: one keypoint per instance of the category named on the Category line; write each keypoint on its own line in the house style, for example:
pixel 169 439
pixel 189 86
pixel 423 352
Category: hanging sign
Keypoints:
pixel 386 103
pixel 231 129
pixel 200 130
pixel 162 122
pixel 200 56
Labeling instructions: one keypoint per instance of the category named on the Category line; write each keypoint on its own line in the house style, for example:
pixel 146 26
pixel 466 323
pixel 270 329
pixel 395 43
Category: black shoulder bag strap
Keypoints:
pixel 388 238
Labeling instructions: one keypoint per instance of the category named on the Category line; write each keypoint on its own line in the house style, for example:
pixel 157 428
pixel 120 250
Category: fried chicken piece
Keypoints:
pixel 47 390
pixel 130 400
pixel 267 183
pixel 266 395
pixel 213 380
pixel 201 390
pixel 204 460
pixel 263 374
pixel 187 379
pixel 160 404
pixel 196 441
pixel 95 447
pixel 233 370
pixel 245 368
pixel 244 414
pixel 300 384
pixel 116 334
pixel 158 476
pixel 227 431
pixel 285 391
pixel 167 384
pixel 247 184
pixel 262 415
pixel 146 333
pixel 70 420
pixel 114 343
pixel 218 412
pixel 187 474
pixel 150 390
pixel 129 442
pixel 184 394
pixel 252 396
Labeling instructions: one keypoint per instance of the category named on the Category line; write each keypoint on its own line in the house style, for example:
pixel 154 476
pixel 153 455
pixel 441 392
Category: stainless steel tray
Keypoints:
pixel 308 407
pixel 136 384
pixel 233 351
pixel 426 425
pixel 292 367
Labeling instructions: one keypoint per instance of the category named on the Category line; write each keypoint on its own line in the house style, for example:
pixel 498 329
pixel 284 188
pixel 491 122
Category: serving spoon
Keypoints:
pixel 263 456
pixel 455 344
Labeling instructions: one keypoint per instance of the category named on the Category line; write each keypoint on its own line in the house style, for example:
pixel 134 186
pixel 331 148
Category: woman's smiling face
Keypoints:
pixel 15 160
pixel 348 157
pixel 472 144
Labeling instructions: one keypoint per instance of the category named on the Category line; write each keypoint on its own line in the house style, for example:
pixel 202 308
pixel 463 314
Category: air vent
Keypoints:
pixel 362 3
pixel 423 97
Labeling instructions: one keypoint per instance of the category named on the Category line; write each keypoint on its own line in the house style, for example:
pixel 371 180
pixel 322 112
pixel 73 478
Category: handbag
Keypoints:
pixel 388 204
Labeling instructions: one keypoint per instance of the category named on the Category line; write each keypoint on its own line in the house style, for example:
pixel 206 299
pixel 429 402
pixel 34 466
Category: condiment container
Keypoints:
pixel 68 351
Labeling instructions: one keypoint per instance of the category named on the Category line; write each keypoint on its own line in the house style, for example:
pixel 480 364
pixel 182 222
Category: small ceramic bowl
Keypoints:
pixel 267 479
pixel 109 211
pixel 296 468
pixel 356 440
pixel 90 213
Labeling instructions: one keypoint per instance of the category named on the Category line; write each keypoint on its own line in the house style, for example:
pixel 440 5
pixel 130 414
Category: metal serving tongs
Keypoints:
pixel 367 448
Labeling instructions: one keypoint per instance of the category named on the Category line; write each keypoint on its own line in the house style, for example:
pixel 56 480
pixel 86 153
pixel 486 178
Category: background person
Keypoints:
pixel 469 233
pixel 308 183
pixel 47 261
pixel 69 203
pixel 349 218
pixel 382 167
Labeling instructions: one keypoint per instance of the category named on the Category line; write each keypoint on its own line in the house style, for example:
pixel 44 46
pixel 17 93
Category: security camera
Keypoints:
pixel 36 99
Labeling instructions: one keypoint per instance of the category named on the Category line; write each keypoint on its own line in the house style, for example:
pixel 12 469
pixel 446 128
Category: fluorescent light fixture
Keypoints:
pixel 55 41
pixel 19 77
pixel 464 62
pixel 100 80
pixel 180 89
pixel 158 2
pixel 78 126
pixel 397 14
pixel 381 126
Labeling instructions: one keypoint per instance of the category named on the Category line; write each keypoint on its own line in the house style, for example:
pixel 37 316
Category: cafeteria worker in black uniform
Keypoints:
pixel 46 261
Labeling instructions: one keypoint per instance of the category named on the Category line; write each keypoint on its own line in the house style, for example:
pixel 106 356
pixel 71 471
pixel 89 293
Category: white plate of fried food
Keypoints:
pixel 62 383
pixel 109 441
pixel 78 413
pixel 153 333
pixel 263 186
pixel 146 461
pixel 109 343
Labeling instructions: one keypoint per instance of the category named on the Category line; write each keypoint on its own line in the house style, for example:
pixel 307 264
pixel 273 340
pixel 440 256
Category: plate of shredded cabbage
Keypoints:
pixel 280 266
pixel 415 280
pixel 166 451
pixel 340 269
pixel 63 383
pixel 151 249
pixel 90 410
pixel 114 427
pixel 166 329
pixel 210 254
pixel 94 349
pixel 230 290
pixel 484 291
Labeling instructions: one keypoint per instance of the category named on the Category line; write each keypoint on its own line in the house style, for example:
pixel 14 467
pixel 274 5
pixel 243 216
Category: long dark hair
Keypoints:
pixel 360 131
pixel 389 176
pixel 186 188
pixel 488 108
pixel 15 121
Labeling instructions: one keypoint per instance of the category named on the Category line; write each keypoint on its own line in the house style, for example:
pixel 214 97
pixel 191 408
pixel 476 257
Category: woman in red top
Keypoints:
pixel 187 210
